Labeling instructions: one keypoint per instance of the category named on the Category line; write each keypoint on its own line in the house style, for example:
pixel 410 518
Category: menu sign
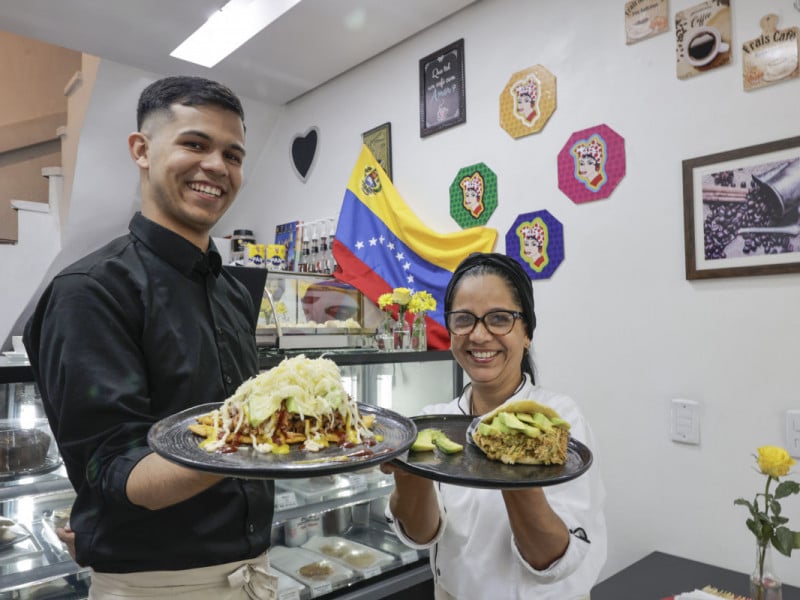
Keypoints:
pixel 771 57
pixel 703 35
pixel 644 19
pixel 441 89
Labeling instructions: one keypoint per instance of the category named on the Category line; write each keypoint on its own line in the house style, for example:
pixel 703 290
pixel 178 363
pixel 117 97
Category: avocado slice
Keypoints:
pixel 525 418
pixel 488 429
pixel 542 422
pixel 424 441
pixel 445 444
pixel 500 424
pixel 511 421
pixel 559 422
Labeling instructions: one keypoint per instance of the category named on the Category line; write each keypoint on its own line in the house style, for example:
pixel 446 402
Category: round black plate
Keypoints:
pixel 472 468
pixel 172 439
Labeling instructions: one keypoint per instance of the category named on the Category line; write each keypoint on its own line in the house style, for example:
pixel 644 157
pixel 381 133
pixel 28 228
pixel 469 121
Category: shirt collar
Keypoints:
pixel 175 249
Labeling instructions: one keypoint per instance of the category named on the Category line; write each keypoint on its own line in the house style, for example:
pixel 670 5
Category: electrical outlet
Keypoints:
pixel 793 432
pixel 685 421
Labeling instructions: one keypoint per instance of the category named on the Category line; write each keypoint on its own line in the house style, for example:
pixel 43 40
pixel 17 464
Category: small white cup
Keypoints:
pixel 703 45
pixel 17 345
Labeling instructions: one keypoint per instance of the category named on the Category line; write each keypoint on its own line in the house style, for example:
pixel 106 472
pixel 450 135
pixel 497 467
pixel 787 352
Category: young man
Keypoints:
pixel 145 327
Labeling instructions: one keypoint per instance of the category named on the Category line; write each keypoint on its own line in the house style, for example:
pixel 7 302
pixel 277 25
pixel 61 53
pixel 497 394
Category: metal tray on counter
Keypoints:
pixel 314 337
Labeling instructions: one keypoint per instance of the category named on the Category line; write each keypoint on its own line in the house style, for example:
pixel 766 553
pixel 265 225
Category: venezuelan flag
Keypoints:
pixel 380 244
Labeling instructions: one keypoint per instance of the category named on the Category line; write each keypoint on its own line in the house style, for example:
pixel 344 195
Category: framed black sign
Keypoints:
pixel 442 95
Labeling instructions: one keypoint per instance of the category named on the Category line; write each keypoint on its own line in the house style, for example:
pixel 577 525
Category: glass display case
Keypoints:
pixel 308 310
pixel 335 521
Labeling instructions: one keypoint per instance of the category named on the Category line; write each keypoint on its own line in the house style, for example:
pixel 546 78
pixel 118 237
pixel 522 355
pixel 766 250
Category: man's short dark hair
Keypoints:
pixel 188 91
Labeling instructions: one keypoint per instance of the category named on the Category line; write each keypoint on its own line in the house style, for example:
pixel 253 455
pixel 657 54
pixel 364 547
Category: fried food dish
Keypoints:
pixel 300 401
pixel 523 432
pixel 316 570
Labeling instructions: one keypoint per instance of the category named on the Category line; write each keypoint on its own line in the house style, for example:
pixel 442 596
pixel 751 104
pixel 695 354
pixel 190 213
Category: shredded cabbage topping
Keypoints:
pixel 299 400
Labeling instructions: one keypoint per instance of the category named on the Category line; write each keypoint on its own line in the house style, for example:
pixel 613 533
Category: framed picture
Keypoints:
pixel 740 211
pixel 442 96
pixel 379 141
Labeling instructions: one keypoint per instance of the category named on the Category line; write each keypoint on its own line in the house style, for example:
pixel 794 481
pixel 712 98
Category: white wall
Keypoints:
pixel 620 328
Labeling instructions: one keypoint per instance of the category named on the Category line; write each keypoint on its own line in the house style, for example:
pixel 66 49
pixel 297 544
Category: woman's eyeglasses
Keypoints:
pixel 497 322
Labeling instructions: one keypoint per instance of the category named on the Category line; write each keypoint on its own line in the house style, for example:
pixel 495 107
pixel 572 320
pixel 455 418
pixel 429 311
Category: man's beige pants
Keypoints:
pixel 247 580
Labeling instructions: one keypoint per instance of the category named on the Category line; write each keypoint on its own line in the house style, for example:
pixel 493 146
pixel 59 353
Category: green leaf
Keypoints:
pixel 787 488
pixel 775 507
pixel 743 502
pixel 755 527
pixel 783 540
pixel 776 520
pixel 796 538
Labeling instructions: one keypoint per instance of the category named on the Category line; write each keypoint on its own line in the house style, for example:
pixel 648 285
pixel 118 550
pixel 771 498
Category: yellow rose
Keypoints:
pixel 774 461
pixel 401 296
pixel 384 300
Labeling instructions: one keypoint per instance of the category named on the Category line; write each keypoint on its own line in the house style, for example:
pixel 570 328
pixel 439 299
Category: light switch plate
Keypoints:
pixel 793 432
pixel 684 421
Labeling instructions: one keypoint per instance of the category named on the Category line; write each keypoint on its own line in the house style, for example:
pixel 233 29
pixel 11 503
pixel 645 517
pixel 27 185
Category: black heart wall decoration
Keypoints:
pixel 304 152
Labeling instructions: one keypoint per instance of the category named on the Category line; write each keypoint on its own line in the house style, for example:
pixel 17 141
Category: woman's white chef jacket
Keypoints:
pixel 474 555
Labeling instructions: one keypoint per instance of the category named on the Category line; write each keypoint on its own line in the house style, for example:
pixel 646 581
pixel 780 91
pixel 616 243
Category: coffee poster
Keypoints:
pixel 771 57
pixel 644 19
pixel 703 35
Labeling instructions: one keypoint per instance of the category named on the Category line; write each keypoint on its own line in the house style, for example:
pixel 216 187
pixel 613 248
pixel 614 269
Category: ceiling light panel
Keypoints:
pixel 228 28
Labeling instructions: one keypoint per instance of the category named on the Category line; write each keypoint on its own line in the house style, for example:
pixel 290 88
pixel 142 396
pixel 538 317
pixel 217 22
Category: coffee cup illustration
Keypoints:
pixel 703 45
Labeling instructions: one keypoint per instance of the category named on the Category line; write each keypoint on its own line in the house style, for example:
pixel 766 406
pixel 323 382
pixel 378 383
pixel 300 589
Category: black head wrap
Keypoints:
pixel 480 263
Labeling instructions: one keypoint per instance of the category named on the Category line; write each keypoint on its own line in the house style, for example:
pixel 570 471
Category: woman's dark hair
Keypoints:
pixel 505 267
pixel 188 91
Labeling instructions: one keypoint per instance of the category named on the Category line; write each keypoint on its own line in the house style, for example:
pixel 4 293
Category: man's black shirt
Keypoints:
pixel 143 328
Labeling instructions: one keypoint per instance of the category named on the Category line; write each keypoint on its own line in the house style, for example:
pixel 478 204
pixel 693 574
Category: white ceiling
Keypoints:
pixel 310 44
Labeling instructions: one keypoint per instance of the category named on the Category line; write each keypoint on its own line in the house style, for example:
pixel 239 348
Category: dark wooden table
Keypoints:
pixel 659 575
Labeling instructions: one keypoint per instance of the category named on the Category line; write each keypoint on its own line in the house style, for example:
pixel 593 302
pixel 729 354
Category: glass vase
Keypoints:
pixel 764 583
pixel 419 334
pixel 384 334
pixel 402 336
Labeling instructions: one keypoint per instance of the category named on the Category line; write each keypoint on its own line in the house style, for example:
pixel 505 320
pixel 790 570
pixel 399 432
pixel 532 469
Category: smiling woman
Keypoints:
pixel 530 541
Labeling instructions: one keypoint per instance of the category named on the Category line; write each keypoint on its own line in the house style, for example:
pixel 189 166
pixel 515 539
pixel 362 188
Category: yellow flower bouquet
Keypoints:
pixel 405 301
pixel 421 302
pixel 767 524
pixel 398 298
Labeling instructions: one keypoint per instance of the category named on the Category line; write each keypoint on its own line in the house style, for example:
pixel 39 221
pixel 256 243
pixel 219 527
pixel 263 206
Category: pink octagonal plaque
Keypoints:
pixel 591 164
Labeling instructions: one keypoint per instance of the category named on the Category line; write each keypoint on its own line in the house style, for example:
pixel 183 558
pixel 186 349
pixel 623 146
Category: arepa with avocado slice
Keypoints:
pixel 523 432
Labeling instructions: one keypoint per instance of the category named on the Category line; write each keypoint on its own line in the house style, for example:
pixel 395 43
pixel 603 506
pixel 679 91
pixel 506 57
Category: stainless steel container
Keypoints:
pixel 336 521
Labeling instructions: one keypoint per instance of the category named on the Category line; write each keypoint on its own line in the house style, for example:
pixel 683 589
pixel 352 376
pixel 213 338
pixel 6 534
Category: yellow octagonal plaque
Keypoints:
pixel 527 101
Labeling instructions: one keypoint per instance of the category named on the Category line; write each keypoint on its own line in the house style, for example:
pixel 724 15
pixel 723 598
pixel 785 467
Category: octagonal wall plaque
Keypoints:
pixel 527 101
pixel 591 164
pixel 536 241
pixel 473 195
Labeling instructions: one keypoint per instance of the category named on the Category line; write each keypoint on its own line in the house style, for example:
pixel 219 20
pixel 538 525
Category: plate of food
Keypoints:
pixel 485 452
pixel 295 420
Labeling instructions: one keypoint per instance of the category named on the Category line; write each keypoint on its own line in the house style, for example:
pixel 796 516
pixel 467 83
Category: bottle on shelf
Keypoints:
pixel 314 263
pixel 331 261
pixel 305 251
pixel 322 259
